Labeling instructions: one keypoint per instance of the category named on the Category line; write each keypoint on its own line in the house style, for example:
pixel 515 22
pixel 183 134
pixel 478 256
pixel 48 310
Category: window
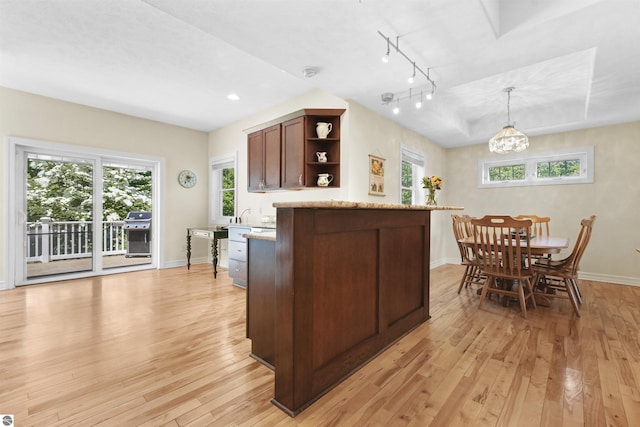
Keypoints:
pixel 411 173
pixel 223 189
pixel 572 166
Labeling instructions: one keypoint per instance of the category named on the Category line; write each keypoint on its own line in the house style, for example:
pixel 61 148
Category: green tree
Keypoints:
pixel 407 183
pixel 228 192
pixel 63 191
pixel 125 190
pixel 60 190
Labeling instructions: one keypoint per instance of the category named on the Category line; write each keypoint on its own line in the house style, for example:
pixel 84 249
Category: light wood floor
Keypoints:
pixel 168 347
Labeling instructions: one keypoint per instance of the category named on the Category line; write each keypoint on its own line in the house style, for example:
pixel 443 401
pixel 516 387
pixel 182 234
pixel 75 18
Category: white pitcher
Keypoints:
pixel 322 156
pixel 324 179
pixel 323 129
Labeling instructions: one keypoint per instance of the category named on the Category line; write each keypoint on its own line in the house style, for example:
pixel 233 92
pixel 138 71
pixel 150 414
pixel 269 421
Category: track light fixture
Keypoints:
pixel 411 61
pixel 433 86
pixel 412 78
pixel 389 97
pixel 419 102
pixel 385 58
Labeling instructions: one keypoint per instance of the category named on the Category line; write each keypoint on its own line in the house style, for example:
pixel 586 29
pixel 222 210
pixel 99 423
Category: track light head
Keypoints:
pixel 412 78
pixel 385 58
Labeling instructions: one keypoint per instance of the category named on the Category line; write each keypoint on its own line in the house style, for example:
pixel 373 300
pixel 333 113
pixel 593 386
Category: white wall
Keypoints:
pixel 614 197
pixel 37 117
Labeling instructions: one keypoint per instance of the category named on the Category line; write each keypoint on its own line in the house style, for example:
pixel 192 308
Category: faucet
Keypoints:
pixel 243 212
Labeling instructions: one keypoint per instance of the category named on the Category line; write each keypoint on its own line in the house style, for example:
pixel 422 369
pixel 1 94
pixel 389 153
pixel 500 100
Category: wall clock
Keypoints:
pixel 187 178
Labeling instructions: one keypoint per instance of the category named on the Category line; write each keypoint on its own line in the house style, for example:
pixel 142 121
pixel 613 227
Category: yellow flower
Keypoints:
pixel 432 182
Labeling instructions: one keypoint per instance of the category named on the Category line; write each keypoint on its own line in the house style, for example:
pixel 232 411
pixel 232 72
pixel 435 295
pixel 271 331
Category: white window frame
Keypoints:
pixel 17 148
pixel 419 161
pixel 584 154
pixel 215 187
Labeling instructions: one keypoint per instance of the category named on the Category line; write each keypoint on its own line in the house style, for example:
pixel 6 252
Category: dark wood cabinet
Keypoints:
pixel 261 307
pixel 329 145
pixel 282 154
pixel 349 283
pixel 263 159
pixel 292 172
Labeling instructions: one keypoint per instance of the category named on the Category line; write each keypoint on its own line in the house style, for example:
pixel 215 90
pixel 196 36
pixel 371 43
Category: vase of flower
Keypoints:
pixel 431 183
pixel 431 197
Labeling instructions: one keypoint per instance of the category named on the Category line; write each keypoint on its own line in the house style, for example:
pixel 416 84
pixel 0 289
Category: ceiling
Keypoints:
pixel 574 63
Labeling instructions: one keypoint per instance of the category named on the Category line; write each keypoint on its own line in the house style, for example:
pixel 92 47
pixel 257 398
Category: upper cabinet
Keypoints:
pixel 263 159
pixel 297 151
pixel 322 147
pixel 292 165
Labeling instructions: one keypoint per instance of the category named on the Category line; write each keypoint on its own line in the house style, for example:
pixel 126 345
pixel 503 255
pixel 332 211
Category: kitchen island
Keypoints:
pixel 351 278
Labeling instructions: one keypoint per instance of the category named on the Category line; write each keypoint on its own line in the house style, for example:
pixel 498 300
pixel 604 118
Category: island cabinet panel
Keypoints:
pixel 261 299
pixel 346 255
pixel 349 282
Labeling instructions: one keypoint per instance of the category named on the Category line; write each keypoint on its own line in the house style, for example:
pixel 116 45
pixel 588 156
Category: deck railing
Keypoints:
pixel 49 240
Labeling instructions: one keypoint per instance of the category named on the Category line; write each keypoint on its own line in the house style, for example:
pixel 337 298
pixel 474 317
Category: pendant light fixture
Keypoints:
pixel 509 139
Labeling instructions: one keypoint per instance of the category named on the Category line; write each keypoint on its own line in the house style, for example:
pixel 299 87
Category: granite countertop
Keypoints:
pixel 271 225
pixel 265 235
pixel 338 204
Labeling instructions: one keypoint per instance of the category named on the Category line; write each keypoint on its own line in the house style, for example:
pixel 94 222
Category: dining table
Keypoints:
pixel 540 246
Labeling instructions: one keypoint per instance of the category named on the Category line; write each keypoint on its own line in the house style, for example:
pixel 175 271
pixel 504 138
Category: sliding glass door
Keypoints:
pixel 126 188
pixel 59 236
pixel 71 210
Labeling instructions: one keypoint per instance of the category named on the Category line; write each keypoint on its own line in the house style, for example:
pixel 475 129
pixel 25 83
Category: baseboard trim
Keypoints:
pixel 595 277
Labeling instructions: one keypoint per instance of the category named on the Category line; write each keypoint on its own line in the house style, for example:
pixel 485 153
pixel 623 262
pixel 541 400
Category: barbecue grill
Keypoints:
pixel 138 228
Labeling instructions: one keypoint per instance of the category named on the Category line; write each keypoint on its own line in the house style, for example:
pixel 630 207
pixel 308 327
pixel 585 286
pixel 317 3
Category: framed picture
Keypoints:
pixel 376 175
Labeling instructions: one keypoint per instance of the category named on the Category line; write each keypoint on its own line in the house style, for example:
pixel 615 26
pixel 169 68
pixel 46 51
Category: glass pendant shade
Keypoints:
pixel 508 140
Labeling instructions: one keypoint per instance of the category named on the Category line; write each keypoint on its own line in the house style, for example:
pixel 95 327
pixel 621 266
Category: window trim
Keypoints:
pixel 584 154
pixel 214 165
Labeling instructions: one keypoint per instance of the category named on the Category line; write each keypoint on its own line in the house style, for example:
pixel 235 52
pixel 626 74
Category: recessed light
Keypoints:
pixel 233 96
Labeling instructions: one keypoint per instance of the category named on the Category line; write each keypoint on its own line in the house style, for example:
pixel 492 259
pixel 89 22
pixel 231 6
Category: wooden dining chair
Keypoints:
pixel 539 227
pixel 462 228
pixel 503 249
pixel 555 276
pixel 539 224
